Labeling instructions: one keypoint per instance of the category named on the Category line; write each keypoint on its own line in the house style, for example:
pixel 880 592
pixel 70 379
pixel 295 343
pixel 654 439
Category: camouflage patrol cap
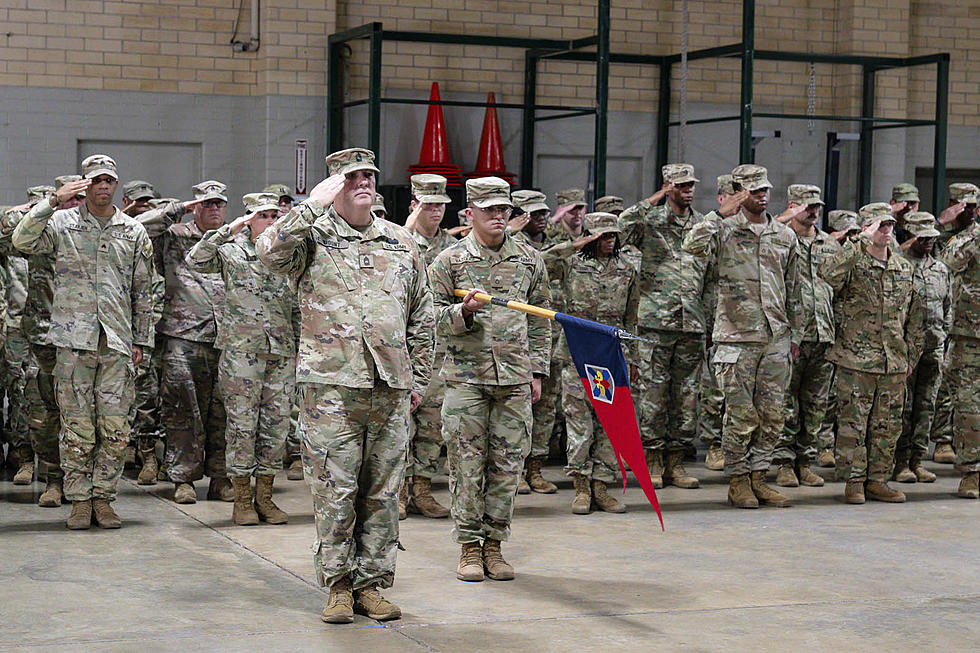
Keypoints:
pixel 679 173
pixel 601 222
pixel 61 180
pixel 876 211
pixel 39 192
pixel 464 219
pixel 138 190
pixel 279 190
pixel 608 204
pixel 429 189
pixel 905 193
pixel 210 190
pixel 256 202
pixel 843 220
pixel 485 192
pixel 99 164
pixel 574 196
pixel 807 194
pixel 921 225
pixel 530 201
pixel 378 206
pixel 163 201
pixel 725 186
pixel 968 193
pixel 751 177
pixel 351 160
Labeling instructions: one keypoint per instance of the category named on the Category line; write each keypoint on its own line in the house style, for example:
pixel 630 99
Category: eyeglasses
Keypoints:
pixel 217 204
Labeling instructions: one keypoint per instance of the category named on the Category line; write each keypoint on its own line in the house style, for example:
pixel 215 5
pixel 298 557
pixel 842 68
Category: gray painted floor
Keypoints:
pixel 819 576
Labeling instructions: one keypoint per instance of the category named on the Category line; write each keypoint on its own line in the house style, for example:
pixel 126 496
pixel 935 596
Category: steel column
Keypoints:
pixel 335 90
pixel 602 97
pixel 374 92
pixel 939 147
pixel 745 149
pixel 663 122
pixel 528 118
pixel 867 135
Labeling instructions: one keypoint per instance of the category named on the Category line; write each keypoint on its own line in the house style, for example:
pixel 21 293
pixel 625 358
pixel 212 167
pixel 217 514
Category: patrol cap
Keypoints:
pixel 99 164
pixel 574 196
pixel 968 193
pixel 429 189
pixel 807 194
pixel 905 193
pixel 378 206
pixel 725 186
pixel 876 211
pixel 350 160
pixel 61 180
pixel 39 192
pixel 609 203
pixel 163 201
pixel 530 201
pixel 679 173
pixel 751 177
pixel 210 190
pixel 464 220
pixel 601 222
pixel 485 192
pixel 843 220
pixel 256 202
pixel 279 190
pixel 138 190
pixel 921 225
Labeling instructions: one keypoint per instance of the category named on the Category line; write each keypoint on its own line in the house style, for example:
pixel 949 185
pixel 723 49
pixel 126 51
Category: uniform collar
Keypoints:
pixel 347 232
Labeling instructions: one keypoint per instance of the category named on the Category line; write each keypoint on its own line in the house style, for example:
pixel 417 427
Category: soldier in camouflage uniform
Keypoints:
pixel 878 340
pixel 566 223
pixel 806 398
pixel 137 195
pixel 598 284
pixel 757 328
pixel 904 201
pixel 610 204
pixel 672 319
pixel 378 208
pixel 365 355
pixel 494 363
pixel 257 367
pixel 100 322
pixel 284 197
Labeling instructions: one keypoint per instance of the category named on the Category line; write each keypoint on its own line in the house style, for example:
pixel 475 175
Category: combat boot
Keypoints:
pixel 740 492
pixel 80 518
pixel 786 476
pixel 676 475
pixel 765 494
pixel 53 493
pixel 295 470
pixel 879 491
pixel 522 486
pixel 493 561
pixel 105 516
pixel 243 513
pixel 902 473
pixel 184 493
pixel 25 473
pixel 340 606
pixel 806 475
pixel 605 501
pixel 403 501
pixel 371 604
pixel 148 473
pixel 854 492
pixel 422 501
pixel 219 489
pixel 535 479
pixel 826 458
pixel 655 465
pixel 943 453
pixel 582 503
pixel 268 511
pixel 922 475
pixel 969 486
pixel 715 458
pixel 470 563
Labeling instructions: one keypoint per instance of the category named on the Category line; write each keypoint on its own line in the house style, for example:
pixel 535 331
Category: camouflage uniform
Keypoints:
pixel 17 362
pixel 366 342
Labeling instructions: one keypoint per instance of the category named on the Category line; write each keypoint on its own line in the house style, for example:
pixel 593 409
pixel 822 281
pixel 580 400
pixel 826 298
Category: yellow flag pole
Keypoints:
pixel 517 306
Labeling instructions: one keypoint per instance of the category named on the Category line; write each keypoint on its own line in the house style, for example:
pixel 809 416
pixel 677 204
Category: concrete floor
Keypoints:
pixel 819 576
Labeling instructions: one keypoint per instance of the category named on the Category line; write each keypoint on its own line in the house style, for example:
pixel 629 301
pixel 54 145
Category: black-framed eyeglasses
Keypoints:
pixel 216 204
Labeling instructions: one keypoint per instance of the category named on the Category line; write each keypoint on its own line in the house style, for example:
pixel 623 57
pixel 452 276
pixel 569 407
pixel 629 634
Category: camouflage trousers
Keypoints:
pixel 753 377
pixel 543 411
pixel 869 423
pixel 920 405
pixel 827 435
pixel 425 432
pixel 488 434
pixel 963 369
pixel 806 404
pixel 95 392
pixel 711 404
pixel 294 440
pixel 354 442
pixel 43 416
pixel 589 451
pixel 942 421
pixel 16 366
pixel 192 412
pixel 258 391
pixel 145 414
pixel 668 388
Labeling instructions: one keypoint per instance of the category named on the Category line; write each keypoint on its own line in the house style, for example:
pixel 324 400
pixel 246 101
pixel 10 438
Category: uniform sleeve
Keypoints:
pixel 947 301
pixel 158 220
pixel 915 325
pixel 794 295
pixel 702 239
pixel 296 320
pixel 556 259
pixel 960 252
pixel 141 294
pixel 539 328
pixel 448 308
pixel 33 234
pixel 204 256
pixel 836 269
pixel 631 223
pixel 420 330
pixel 285 246
pixel 631 319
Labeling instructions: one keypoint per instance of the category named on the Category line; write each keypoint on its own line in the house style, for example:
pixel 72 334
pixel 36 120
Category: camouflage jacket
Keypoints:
pixel 261 314
pixel 101 276
pixel 430 247
pixel 815 293
pixel 962 257
pixel 880 310
pixel 364 297
pixel 758 280
pixel 36 318
pixel 935 287
pixel 672 281
pixel 552 238
pixel 495 346
pixel 16 279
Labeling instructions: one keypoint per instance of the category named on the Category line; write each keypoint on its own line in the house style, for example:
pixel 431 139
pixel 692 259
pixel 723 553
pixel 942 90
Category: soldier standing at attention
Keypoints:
pixel 878 341
pixel 365 355
pixel 494 363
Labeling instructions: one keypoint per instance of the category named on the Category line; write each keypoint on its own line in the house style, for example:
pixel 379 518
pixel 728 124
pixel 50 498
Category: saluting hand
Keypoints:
pixel 733 203
pixel 327 190
pixel 792 211
pixel 582 241
pixel 949 214
pixel 660 194
pixel 519 221
pixel 413 217
pixel 239 223
pixel 71 189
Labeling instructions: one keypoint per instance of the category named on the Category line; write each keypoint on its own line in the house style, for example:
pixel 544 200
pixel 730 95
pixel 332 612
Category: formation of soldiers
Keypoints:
pixel 324 339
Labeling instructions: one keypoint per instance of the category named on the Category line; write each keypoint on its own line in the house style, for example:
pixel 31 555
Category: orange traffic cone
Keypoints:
pixel 434 155
pixel 490 158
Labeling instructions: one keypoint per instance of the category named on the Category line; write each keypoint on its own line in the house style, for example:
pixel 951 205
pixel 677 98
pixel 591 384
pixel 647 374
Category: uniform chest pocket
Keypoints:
pixel 397 275
pixel 332 262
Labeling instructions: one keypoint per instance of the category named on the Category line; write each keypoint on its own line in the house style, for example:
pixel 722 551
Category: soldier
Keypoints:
pixel 934 282
pixel 257 367
pixel 378 208
pixel 610 204
pixel 905 200
pixel 757 328
pixel 567 221
pixel 599 285
pixel 137 195
pixel 100 322
pixel 284 197
pixel 879 338
pixel 672 319
pixel 364 360
pixel 493 367
pixel 961 212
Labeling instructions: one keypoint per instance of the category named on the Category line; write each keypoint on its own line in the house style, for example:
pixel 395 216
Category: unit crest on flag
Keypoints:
pixel 600 383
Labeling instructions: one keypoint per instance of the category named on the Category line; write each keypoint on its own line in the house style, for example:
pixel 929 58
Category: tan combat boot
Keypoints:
pixel 605 501
pixel 854 492
pixel 267 510
pixel 676 475
pixel 423 502
pixel 786 476
pixel 470 563
pixel 80 518
pixel 943 453
pixel 740 492
pixel 922 475
pixel 369 602
pixel 243 513
pixel 806 475
pixel 184 493
pixel 105 516
pixel 493 561
pixel 53 493
pixel 582 503
pixel 765 494
pixel 826 458
pixel 535 479
pixel 295 470
pixel 25 473
pixel 150 469
pixel 969 486
pixel 340 606
pixel 715 458
pixel 219 489
pixel 902 473
pixel 655 465
pixel 522 486
pixel 403 501
pixel 879 491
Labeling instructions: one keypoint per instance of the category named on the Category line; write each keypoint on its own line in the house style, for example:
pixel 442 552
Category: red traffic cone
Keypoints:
pixel 434 155
pixel 490 158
